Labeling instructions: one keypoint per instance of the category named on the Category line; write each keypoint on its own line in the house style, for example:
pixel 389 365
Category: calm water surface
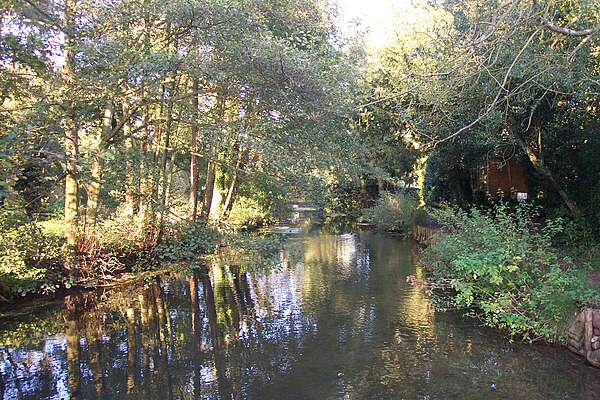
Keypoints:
pixel 336 320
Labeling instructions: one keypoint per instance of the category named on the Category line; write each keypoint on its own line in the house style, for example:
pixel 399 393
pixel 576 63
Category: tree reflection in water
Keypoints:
pixel 336 321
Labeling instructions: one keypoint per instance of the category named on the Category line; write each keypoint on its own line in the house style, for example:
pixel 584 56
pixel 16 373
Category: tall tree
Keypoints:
pixel 493 72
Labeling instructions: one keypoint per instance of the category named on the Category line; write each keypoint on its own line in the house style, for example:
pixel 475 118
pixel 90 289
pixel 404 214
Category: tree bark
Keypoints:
pixel 195 159
pixel 211 169
pixel 145 216
pixel 95 186
pixel 228 204
pixel 211 172
pixel 541 167
pixel 167 144
pixel 130 179
pixel 71 133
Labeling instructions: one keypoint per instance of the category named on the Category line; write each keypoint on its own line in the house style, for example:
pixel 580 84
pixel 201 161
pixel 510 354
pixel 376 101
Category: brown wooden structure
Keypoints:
pixel 502 178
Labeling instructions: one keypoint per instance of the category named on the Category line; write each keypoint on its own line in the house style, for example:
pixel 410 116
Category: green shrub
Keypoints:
pixel 395 213
pixel 187 241
pixel 247 214
pixel 579 237
pixel 501 266
pixel 30 260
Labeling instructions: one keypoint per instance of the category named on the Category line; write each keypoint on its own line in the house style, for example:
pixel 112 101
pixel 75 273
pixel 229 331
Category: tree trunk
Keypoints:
pixel 228 204
pixel 195 159
pixel 540 166
pixel 170 170
pixel 167 143
pixel 211 169
pixel 380 182
pixel 145 214
pixel 130 179
pixel 211 172
pixel 94 188
pixel 71 198
pixel 71 144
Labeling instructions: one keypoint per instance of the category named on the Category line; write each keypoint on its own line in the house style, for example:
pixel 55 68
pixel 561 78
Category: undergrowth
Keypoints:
pixel 500 265
pixel 30 256
pixel 395 212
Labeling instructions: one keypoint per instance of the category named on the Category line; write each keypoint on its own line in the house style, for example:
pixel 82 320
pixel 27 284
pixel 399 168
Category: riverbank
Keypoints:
pixel 113 255
pixel 503 269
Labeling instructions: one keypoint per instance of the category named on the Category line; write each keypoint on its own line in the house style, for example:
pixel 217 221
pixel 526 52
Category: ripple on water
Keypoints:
pixel 337 322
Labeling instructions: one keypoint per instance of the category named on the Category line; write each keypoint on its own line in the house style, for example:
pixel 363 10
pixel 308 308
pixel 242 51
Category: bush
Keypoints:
pixel 501 266
pixel 247 214
pixel 187 241
pixel 30 260
pixel 395 213
pixel 111 246
pixel 579 237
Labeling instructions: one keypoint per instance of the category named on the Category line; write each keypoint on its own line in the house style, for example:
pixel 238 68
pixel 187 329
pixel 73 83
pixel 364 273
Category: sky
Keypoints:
pixel 375 16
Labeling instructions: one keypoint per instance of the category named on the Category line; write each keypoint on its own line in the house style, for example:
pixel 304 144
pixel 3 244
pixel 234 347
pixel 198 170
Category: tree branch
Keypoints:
pixel 566 31
pixel 498 94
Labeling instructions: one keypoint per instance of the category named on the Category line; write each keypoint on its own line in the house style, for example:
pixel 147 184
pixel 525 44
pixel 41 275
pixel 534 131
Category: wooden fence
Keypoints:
pixel 425 235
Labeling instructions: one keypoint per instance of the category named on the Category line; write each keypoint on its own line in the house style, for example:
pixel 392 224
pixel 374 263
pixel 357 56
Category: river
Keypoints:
pixel 335 319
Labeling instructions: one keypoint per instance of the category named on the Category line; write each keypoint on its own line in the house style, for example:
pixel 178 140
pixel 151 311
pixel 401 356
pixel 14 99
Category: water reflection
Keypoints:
pixel 336 320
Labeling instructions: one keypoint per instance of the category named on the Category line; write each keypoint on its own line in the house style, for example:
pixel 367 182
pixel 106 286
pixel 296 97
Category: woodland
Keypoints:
pixel 139 132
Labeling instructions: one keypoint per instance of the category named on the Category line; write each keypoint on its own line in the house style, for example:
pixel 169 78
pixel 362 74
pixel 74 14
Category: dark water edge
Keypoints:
pixel 335 320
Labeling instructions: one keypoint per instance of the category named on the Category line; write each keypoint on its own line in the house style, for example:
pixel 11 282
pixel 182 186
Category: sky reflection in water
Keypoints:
pixel 336 321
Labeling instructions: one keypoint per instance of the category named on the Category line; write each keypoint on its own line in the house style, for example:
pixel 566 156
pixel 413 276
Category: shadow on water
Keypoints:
pixel 336 320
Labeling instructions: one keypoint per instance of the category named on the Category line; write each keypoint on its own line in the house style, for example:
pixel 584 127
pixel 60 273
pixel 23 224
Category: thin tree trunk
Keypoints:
pixel 228 204
pixel 168 127
pixel 541 167
pixel 165 151
pixel 154 144
pixel 380 182
pixel 170 169
pixel 211 172
pixel 71 145
pixel 211 169
pixel 194 167
pixel 95 186
pixel 145 213
pixel 130 179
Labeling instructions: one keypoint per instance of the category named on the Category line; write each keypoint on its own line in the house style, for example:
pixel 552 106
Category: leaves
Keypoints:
pixel 502 263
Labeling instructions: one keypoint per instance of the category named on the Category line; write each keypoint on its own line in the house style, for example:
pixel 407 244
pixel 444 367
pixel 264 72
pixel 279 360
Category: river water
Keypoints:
pixel 335 320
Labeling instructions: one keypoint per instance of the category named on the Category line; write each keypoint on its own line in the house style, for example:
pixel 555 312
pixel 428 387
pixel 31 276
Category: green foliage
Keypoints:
pixel 501 266
pixel 248 214
pixel 579 238
pixel 29 258
pixel 397 212
pixel 465 78
pixel 187 241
